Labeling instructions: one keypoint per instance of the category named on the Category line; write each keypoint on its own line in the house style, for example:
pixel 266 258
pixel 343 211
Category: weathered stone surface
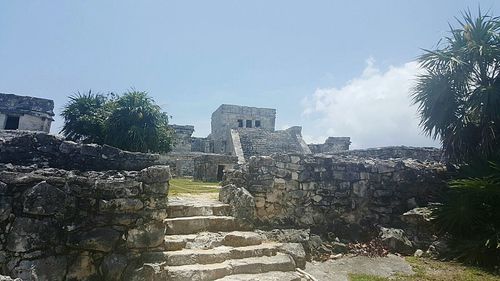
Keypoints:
pixel 121 205
pixel 76 225
pixel 5 207
pixel 335 193
pixel 50 268
pixel 29 234
pixel 44 199
pixel 27 148
pixel 112 267
pixel 154 174
pixel 146 236
pixel 241 239
pixel 241 200
pixel 156 188
pixel 8 278
pixel 98 239
pixel 187 225
pixel 296 251
pixel 396 240
pixel 83 267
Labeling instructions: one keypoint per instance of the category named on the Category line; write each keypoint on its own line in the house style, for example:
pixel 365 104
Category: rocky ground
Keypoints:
pixel 339 270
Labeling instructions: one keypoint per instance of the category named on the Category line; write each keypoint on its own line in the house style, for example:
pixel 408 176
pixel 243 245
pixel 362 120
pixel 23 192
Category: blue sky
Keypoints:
pixel 339 68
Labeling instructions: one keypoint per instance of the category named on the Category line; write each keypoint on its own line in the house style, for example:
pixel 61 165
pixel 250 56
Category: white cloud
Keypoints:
pixel 374 109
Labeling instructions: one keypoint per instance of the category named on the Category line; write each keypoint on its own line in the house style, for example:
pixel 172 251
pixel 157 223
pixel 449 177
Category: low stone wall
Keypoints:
pixel 430 154
pixel 341 194
pixel 45 150
pixel 67 225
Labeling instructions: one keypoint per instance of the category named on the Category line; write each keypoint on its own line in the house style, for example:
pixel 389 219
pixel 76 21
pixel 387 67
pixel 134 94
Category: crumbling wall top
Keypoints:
pixel 10 103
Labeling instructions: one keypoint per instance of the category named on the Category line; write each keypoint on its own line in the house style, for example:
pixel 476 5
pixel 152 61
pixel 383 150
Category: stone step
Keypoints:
pixel 215 255
pixel 208 240
pixel 191 225
pixel 268 276
pixel 254 265
pixel 188 208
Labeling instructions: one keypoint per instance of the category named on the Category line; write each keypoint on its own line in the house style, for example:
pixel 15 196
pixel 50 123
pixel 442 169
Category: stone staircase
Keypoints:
pixel 204 242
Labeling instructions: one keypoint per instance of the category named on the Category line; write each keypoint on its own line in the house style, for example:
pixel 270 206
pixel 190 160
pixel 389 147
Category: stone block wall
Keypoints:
pixel 35 114
pixel 430 154
pixel 331 145
pixel 343 194
pixel 208 167
pixel 45 150
pixel 67 225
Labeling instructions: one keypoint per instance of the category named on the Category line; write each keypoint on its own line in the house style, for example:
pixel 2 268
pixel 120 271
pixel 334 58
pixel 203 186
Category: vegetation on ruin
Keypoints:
pixel 458 98
pixel 434 270
pixel 132 121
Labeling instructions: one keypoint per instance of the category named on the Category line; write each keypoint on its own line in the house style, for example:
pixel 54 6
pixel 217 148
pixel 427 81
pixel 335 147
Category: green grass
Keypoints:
pixel 433 270
pixel 182 185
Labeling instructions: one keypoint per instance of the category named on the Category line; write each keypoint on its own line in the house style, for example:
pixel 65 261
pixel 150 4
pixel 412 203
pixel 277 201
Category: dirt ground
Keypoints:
pixel 338 270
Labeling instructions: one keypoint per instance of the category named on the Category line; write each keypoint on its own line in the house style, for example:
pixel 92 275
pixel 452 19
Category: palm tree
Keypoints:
pixel 458 95
pixel 138 124
pixel 84 117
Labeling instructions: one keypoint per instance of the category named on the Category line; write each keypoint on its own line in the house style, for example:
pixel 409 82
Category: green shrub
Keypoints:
pixel 471 215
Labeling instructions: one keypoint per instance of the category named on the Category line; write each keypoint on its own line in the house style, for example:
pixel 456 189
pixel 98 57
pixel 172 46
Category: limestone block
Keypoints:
pixel 146 236
pixel 112 267
pixel 382 193
pixel 82 268
pixel 99 239
pixel 154 174
pixel 118 188
pixel 296 251
pixel 50 268
pixel 43 199
pixel 5 207
pixel 156 188
pixel 260 202
pixel 360 188
pixel 28 234
pixel 67 147
pixel 120 205
pixel 396 240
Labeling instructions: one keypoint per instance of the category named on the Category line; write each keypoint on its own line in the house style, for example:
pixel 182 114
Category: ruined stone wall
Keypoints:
pixel 256 142
pixel 343 194
pixel 226 118
pixel 182 137
pixel 331 145
pixel 200 145
pixel 431 154
pixel 44 150
pixel 35 114
pixel 206 167
pixel 68 225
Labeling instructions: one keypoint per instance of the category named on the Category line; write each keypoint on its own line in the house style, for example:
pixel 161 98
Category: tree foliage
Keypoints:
pixel 137 124
pixel 85 117
pixel 131 122
pixel 458 95
pixel 458 98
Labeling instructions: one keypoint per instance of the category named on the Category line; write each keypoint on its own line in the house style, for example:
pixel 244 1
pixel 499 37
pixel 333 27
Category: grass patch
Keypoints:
pixel 182 185
pixel 433 270
pixel 365 277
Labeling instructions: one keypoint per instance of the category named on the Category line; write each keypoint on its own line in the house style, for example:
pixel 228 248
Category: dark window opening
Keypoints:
pixel 249 123
pixel 257 123
pixel 12 123
pixel 240 123
pixel 220 172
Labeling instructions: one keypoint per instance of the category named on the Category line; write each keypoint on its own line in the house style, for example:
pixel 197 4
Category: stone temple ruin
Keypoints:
pixel 25 113
pixel 71 211
pixel 240 132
